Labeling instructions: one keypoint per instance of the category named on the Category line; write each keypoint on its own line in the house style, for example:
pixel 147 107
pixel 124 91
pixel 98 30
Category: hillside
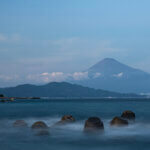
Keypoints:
pixel 55 89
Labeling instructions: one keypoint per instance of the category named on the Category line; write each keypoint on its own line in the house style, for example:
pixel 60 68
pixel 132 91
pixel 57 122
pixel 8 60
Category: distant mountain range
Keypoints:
pixel 112 75
pixel 62 89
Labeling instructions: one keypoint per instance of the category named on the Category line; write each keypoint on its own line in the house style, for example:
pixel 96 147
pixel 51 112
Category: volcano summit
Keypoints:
pixel 109 74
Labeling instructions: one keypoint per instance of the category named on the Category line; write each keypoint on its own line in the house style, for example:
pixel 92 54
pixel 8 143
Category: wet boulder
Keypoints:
pixel 66 119
pixel 128 115
pixel 40 128
pixel 39 125
pixel 20 123
pixel 93 124
pixel 118 121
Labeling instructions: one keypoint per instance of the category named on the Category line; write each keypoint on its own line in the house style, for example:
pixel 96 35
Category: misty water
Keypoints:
pixel 71 136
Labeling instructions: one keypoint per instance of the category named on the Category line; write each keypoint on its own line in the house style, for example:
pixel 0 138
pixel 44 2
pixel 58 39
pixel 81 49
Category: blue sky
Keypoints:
pixel 67 36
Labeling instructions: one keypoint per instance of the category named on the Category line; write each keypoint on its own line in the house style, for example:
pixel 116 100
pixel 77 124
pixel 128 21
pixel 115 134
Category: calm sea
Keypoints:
pixel 71 137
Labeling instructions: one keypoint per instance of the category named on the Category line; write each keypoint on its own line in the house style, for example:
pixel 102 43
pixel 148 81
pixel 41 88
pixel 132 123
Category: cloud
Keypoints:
pixel 45 74
pixel 47 77
pixel 97 74
pixel 77 46
pixel 30 57
pixel 10 38
pixel 80 75
pixel 54 76
pixel 65 41
pixel 8 78
pixel 15 37
pixel 2 38
pixel 57 77
pixel 52 55
pixel 119 75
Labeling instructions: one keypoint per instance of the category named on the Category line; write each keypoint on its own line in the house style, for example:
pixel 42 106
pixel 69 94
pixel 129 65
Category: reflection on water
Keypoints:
pixel 71 136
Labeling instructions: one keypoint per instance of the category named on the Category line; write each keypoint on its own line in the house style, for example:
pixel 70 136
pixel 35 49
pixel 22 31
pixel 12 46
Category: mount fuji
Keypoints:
pixel 109 74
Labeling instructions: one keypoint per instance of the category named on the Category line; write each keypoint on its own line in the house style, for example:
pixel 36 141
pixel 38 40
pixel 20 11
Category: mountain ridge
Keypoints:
pixel 60 89
pixel 110 74
pixel 110 62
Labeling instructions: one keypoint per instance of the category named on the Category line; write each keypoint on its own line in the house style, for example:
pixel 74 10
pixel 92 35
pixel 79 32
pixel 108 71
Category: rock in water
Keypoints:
pixel 117 121
pixel 39 125
pixel 40 128
pixel 128 115
pixel 93 124
pixel 20 123
pixel 66 119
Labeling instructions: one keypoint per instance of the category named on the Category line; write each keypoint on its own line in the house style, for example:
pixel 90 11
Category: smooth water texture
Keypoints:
pixel 136 136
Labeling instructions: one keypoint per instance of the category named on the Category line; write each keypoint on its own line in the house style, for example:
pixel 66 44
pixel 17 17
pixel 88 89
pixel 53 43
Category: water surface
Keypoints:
pixel 70 137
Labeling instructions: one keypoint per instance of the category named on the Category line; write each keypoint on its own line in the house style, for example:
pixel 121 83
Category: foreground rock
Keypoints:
pixel 93 124
pixel 39 125
pixel 128 115
pixel 66 119
pixel 20 124
pixel 117 121
pixel 40 128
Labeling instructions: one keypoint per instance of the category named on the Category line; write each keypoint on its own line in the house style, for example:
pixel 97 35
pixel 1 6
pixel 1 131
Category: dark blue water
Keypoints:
pixel 71 137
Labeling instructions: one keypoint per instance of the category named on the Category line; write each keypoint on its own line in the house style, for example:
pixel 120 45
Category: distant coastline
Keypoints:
pixel 62 90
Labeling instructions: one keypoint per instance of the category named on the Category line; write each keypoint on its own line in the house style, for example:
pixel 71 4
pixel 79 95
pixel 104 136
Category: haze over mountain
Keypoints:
pixel 109 74
pixel 62 89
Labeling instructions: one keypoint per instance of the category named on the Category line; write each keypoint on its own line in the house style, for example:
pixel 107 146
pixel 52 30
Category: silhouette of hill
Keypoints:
pixel 62 89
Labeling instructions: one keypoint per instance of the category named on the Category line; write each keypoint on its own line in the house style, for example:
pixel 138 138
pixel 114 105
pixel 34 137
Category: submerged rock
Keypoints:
pixel 39 125
pixel 93 124
pixel 117 121
pixel 66 119
pixel 128 115
pixel 20 123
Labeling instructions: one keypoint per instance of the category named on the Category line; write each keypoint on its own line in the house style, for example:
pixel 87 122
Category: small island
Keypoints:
pixel 11 99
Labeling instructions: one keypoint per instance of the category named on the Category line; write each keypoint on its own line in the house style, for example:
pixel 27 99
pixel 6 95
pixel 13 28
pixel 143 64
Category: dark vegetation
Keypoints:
pixel 62 89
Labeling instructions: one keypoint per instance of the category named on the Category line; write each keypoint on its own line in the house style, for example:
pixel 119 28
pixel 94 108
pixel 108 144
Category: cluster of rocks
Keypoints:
pixel 40 127
pixel 92 124
pixel 124 119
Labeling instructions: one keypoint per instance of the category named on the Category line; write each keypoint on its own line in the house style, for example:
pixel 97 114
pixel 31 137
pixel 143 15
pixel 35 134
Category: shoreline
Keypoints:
pixel 13 99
